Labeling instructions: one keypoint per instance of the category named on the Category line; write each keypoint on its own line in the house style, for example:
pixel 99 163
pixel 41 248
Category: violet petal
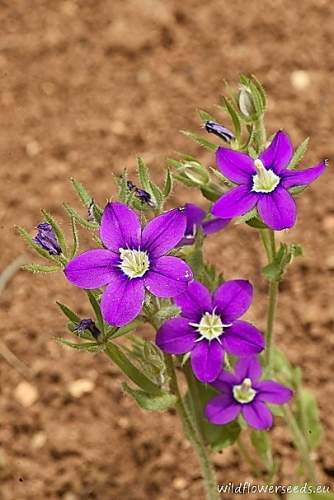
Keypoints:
pixel 92 269
pixel 195 301
pixel 225 382
pixel 120 227
pixel 292 178
pixel 278 154
pixel 242 339
pixel 176 336
pixel 206 360
pixel 168 277
pixel 164 232
pixel 237 201
pixel 257 415
pixel 277 209
pixel 235 166
pixel 273 392
pixel 232 299
pixel 222 409
pixel 249 367
pixel 212 226
pixel 122 300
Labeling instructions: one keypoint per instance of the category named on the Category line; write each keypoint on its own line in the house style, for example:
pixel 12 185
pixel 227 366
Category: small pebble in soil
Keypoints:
pixel 80 387
pixel 38 440
pixel 300 79
pixel 26 394
pixel 32 148
pixel 180 483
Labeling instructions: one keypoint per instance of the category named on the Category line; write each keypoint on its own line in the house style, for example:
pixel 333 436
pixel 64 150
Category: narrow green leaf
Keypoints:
pixel 75 237
pixel 168 184
pixel 210 146
pixel 122 361
pixel 146 401
pixel 92 226
pixel 299 153
pixel 235 117
pixel 308 416
pixel 38 268
pixel 71 315
pixel 83 346
pixel 205 116
pixel 83 194
pixel 144 175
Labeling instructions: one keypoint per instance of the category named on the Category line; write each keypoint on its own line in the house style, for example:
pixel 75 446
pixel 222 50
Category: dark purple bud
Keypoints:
pixel 46 239
pixel 90 212
pixel 131 185
pixel 88 324
pixel 217 129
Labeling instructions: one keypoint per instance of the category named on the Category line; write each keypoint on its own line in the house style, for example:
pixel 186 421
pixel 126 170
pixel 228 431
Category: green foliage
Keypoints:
pixel 168 184
pixel 82 346
pixel 308 417
pixel 199 139
pixel 299 153
pixel 285 255
pixel 150 402
pixel 92 226
pixel 39 268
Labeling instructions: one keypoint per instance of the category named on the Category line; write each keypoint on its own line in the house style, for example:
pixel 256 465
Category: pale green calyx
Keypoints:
pixel 210 327
pixel 134 263
pixel 244 393
pixel 264 181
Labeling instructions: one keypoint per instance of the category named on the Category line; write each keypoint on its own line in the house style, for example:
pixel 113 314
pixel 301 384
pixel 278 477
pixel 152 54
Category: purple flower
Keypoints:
pixel 195 219
pixel 263 183
pixel 209 326
pixel 243 392
pixel 133 260
pixel 219 130
pixel 46 239
pixel 142 195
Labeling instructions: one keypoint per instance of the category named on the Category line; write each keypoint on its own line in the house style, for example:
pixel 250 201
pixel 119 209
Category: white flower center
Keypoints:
pixel 210 327
pixel 264 181
pixel 244 393
pixel 134 263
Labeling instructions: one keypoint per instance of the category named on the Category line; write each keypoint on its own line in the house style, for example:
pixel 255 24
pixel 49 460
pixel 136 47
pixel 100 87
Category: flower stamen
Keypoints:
pixel 265 180
pixel 244 392
pixel 134 263
pixel 210 327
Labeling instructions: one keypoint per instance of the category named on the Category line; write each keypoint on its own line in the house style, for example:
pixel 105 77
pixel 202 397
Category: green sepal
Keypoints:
pixel 150 402
pixel 92 226
pixel 39 268
pixel 168 184
pixel 210 146
pixel 205 116
pixel 299 153
pixel 284 256
pixel 71 315
pixel 82 346
pixel 75 238
pixel 229 107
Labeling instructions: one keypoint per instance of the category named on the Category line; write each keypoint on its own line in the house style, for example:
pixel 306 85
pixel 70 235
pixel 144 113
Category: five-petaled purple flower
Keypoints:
pixel 46 239
pixel 209 326
pixel 243 392
pixel 133 260
pixel 195 219
pixel 263 183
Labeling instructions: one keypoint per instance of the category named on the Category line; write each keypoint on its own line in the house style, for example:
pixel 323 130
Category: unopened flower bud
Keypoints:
pixel 246 104
pixel 196 173
pixel 46 239
pixel 88 324
pixel 219 130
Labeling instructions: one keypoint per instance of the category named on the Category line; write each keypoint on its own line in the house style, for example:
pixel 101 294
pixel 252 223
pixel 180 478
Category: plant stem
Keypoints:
pixel 193 434
pixel 194 397
pixel 300 444
pixel 268 239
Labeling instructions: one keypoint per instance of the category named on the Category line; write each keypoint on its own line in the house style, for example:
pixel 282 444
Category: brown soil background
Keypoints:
pixel 86 86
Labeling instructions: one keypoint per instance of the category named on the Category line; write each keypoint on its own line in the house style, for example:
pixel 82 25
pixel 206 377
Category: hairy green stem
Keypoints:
pixel 193 434
pixel 194 397
pixel 300 443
